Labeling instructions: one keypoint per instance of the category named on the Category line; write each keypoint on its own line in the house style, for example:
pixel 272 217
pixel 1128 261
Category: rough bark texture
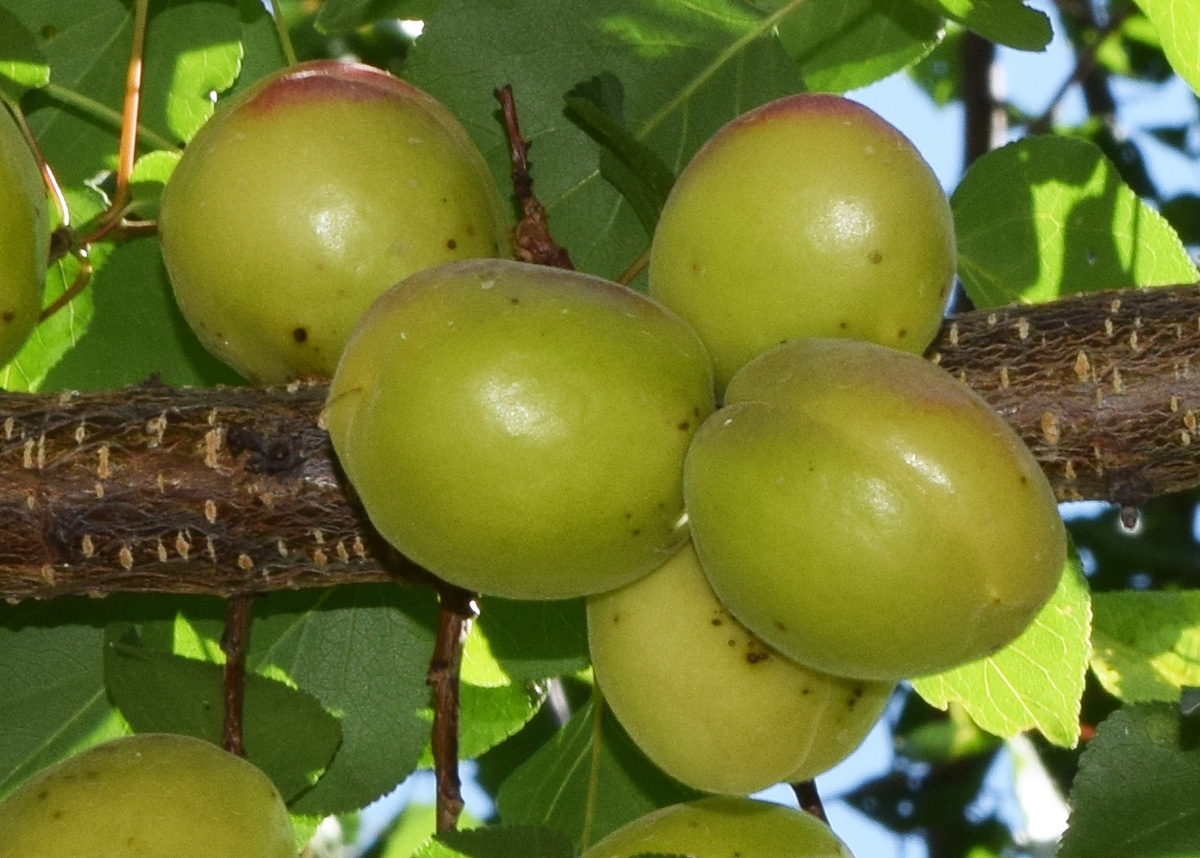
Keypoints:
pixel 236 490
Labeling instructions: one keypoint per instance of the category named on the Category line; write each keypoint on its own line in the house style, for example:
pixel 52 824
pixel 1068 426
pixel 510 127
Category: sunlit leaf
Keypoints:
pixel 1050 216
pixel 22 62
pixel 1007 22
pixel 498 842
pixel 1037 680
pixel 1146 645
pixel 1178 23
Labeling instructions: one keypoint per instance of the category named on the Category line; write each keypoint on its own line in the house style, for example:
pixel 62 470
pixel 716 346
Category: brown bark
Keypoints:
pixel 236 490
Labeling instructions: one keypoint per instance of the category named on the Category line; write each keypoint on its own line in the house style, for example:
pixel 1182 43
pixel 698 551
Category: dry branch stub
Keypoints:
pixel 232 491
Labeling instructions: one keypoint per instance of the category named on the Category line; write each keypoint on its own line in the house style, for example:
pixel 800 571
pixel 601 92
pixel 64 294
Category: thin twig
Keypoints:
pixel 810 799
pixel 455 614
pixel 531 236
pixel 235 640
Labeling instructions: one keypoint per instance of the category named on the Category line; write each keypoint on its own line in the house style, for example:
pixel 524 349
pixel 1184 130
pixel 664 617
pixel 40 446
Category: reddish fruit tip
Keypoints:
pixel 322 79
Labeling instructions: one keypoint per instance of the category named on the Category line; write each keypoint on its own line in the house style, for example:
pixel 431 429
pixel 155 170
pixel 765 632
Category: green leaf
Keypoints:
pixel 364 652
pixel 686 68
pixel 498 842
pixel 630 167
pixel 516 640
pixel 488 716
pixel 1037 680
pixel 841 45
pixel 1146 645
pixel 1135 793
pixel 57 335
pixel 342 16
pixel 1008 22
pixel 1050 216
pixel 22 62
pixel 286 732
pixel 939 74
pixel 262 52
pixel 52 698
pixel 138 331
pixel 588 780
pixel 146 182
pixel 1178 23
pixel 195 48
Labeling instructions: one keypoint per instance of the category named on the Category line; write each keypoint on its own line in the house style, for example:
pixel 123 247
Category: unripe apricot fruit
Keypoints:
pixel 24 238
pixel 520 430
pixel 151 795
pixel 867 514
pixel 723 827
pixel 305 197
pixel 706 700
pixel 810 216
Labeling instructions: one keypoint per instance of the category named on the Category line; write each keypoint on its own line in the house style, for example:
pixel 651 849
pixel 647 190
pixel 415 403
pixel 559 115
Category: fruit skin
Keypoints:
pixel 153 795
pixel 810 216
pixel 24 238
pixel 304 198
pixel 706 700
pixel 722 827
pixel 867 514
pixel 520 430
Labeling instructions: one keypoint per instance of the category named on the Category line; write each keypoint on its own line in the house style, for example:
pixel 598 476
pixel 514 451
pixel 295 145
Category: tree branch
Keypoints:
pixel 235 491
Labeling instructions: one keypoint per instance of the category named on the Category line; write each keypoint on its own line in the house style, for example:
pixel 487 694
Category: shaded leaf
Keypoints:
pixel 1007 22
pixel 1135 793
pixel 286 732
pixel 515 640
pixel 1037 680
pixel 588 780
pixel 22 63
pixel 1146 645
pixel 841 45
pixel 498 842
pixel 364 652
pixel 1049 216
pixel 342 16
pixel 685 68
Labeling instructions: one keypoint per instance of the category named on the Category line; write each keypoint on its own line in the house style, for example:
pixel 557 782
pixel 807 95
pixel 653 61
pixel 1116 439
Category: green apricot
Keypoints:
pixel 304 198
pixel 520 430
pixel 152 795
pixel 723 827
pixel 810 216
pixel 706 700
pixel 869 515
pixel 24 238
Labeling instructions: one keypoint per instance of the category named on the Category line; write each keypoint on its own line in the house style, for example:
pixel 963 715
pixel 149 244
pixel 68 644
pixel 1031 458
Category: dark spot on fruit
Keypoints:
pixel 732 642
pixel 129 841
pixel 902 333
pixel 756 657
pixel 91 774
pixel 56 815
pixel 637 531
pixel 629 516
pixel 1024 480
pixel 48 32
pixel 805 691
pixel 780 626
pixel 445 200
pixel 470 229
pixel 451 244
pixel 616 619
pixel 300 335
pixel 875 257
pixel 514 300
pixel 43 795
pixel 842 325
pixel 696 411
pixel 716 621
pixel 683 425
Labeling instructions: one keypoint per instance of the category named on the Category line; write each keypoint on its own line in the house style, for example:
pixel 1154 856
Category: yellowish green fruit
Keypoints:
pixel 721 827
pixel 706 700
pixel 869 515
pixel 24 238
pixel 810 216
pixel 520 430
pixel 308 195
pixel 152 795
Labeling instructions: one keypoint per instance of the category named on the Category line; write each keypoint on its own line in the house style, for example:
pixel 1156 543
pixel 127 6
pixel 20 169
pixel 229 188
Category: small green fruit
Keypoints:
pixel 810 216
pixel 722 827
pixel 520 430
pixel 304 198
pixel 706 700
pixel 152 795
pixel 867 514
pixel 24 238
